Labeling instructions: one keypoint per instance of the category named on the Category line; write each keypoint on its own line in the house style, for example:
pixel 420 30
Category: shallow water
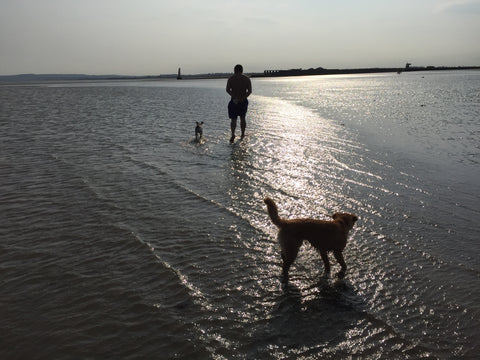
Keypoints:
pixel 121 237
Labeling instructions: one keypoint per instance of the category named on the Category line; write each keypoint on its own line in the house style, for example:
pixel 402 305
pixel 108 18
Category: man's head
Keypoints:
pixel 238 69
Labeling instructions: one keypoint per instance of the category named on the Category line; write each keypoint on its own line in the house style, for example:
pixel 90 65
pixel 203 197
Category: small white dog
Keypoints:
pixel 198 131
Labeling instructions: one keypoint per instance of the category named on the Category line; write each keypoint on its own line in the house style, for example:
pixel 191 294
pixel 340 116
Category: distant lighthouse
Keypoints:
pixel 179 76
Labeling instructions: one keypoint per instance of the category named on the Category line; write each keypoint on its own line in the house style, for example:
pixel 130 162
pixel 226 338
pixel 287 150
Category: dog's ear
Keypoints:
pixel 201 123
pixel 341 215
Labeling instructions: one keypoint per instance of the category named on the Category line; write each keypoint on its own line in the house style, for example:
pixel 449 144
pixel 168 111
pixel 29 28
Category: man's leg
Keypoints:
pixel 233 126
pixel 243 125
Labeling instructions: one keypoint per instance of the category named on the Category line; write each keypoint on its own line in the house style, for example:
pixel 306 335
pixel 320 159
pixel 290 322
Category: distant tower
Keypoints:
pixel 179 76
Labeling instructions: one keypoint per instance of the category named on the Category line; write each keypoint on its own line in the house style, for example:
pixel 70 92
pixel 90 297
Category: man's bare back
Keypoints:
pixel 239 87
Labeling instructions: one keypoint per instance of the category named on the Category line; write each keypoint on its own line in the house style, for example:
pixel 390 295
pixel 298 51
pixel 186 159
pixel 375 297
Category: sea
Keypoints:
pixel 122 237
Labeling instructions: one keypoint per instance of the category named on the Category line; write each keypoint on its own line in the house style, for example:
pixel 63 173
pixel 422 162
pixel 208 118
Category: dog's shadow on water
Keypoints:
pixel 310 319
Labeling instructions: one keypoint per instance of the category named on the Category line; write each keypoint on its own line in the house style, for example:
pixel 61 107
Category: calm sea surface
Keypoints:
pixel 122 238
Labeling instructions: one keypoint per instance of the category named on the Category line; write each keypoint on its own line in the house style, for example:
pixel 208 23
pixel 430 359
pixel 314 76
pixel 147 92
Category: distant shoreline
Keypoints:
pixel 322 71
pixel 35 78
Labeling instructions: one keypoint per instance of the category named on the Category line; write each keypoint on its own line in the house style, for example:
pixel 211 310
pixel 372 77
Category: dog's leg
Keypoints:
pixel 341 261
pixel 326 263
pixel 290 249
pixel 285 266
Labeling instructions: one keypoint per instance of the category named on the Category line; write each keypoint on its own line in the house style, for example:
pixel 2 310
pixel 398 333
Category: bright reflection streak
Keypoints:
pixel 300 154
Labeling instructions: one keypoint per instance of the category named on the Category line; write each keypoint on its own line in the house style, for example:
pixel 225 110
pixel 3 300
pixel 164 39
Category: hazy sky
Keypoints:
pixel 148 37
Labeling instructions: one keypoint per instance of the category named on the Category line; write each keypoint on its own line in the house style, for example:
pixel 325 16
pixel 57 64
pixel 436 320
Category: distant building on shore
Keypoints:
pixel 179 76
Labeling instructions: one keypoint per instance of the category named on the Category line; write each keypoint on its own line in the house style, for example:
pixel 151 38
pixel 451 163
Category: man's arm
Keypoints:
pixel 249 88
pixel 229 88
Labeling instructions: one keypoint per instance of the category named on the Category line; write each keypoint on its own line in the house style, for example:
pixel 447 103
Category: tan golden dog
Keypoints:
pixel 325 236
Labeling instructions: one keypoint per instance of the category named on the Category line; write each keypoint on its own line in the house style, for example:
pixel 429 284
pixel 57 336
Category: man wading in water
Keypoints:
pixel 239 87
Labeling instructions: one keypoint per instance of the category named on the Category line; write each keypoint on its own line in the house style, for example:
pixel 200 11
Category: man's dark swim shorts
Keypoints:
pixel 239 109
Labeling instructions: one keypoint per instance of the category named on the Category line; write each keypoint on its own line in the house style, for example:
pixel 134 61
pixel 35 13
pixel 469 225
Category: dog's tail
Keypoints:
pixel 273 212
